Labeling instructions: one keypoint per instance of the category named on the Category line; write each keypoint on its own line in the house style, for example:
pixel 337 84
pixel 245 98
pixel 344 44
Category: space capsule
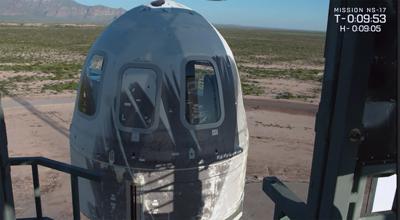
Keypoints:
pixel 160 114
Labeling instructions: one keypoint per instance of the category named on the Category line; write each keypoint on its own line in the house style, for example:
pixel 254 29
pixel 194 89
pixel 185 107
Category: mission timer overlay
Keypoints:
pixel 360 19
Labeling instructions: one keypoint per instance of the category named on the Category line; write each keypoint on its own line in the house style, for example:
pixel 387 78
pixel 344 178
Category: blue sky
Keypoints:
pixel 285 14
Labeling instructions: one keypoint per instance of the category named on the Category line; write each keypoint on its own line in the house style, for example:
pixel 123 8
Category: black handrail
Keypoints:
pixel 63 167
pixel 74 171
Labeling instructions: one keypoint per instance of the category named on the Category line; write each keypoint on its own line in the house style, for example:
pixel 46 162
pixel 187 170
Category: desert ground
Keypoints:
pixel 281 74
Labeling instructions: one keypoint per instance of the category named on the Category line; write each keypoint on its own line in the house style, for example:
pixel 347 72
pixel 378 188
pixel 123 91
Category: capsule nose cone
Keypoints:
pixel 158 3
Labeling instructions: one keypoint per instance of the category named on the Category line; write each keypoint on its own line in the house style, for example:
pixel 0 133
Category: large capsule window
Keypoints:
pixel 138 98
pixel 90 85
pixel 202 98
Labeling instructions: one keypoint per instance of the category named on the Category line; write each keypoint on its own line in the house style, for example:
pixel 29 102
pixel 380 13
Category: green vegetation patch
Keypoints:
pixel 251 89
pixel 5 87
pixel 60 87
pixel 59 70
pixel 289 95
pixel 58 38
pixel 265 46
pixel 300 74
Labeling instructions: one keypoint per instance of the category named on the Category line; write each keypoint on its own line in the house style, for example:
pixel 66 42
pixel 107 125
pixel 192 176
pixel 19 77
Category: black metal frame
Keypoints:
pixel 7 210
pixel 397 203
pixel 337 181
pixel 6 195
pixel 75 172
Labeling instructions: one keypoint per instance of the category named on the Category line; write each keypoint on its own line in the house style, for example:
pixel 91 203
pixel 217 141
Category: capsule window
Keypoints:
pixel 138 98
pixel 96 67
pixel 202 98
pixel 90 85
